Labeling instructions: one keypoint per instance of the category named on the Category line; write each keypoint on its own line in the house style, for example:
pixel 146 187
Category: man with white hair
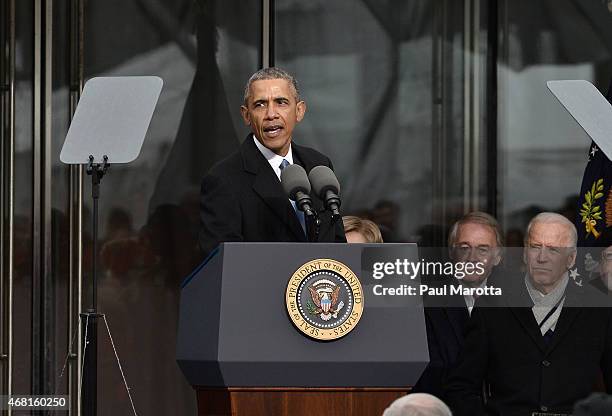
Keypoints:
pixel 418 404
pixel 540 347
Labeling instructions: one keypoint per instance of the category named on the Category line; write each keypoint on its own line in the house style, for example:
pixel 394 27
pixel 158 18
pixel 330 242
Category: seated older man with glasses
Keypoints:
pixel 604 282
pixel 541 346
pixel 475 238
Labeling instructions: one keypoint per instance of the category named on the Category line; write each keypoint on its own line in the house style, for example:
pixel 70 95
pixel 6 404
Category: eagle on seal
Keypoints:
pixel 326 302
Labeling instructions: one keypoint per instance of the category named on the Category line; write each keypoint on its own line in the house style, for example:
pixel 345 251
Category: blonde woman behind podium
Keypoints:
pixel 360 230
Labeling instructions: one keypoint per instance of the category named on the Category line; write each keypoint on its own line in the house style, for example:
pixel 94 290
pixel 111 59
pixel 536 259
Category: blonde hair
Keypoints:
pixel 368 229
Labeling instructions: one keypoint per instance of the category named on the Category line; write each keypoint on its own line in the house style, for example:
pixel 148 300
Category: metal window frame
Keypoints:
pixel 41 215
pixel 471 106
pixel 493 20
pixel 41 231
pixel 441 95
pixel 267 34
pixel 479 161
pixel 7 192
pixel 75 283
pixel 480 141
pixel 43 301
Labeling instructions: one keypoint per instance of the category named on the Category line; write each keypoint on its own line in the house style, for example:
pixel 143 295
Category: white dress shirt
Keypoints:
pixel 469 299
pixel 273 159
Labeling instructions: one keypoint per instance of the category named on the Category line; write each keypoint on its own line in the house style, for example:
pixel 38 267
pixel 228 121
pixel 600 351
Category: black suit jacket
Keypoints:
pixel 243 200
pixel 445 327
pixel 446 318
pixel 505 349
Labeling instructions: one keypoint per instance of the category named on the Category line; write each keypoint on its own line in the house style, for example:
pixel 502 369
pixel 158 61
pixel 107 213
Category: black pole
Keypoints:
pixel 492 114
pixel 90 364
pixel 90 318
pixel 95 195
pixel 313 227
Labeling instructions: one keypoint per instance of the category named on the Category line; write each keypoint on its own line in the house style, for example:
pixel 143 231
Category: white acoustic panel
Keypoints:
pixel 111 119
pixel 589 108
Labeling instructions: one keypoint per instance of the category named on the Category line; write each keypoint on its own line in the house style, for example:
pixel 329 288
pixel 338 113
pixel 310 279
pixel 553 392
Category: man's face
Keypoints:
pixel 272 112
pixel 606 268
pixel 548 254
pixel 476 243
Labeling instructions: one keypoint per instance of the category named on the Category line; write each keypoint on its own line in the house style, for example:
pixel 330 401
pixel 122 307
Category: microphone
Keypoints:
pixel 296 186
pixel 327 188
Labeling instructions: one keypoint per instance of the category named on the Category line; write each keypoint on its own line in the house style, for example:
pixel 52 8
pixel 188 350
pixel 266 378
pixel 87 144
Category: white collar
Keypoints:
pixel 469 299
pixel 273 159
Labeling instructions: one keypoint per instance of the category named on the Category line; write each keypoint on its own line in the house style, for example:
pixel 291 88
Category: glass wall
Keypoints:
pixel 427 109
pixel 542 150
pixel 421 128
pixel 149 209
pixel 384 84
pixel 23 212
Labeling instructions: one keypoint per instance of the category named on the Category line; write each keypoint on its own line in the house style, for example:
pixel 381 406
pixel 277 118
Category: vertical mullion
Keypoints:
pixel 440 102
pixel 41 259
pixel 501 82
pixel 491 100
pixel 271 32
pixel 436 105
pixel 36 201
pixel 475 116
pixel 7 189
pixel 75 290
pixel 10 197
pixel 265 33
pixel 467 100
pixel 47 278
pixel 471 106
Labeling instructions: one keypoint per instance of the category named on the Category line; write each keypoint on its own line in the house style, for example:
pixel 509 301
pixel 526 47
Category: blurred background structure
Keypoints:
pixel 429 109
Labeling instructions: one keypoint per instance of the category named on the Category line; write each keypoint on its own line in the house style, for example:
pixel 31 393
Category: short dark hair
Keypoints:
pixel 272 73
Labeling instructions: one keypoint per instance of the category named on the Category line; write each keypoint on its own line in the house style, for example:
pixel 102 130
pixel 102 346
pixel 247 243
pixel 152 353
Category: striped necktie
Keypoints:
pixel 300 214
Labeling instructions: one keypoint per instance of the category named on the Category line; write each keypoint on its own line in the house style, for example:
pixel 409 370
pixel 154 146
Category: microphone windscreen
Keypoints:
pixel 322 180
pixel 294 179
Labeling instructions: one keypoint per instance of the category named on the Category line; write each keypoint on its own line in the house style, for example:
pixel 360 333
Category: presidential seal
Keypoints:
pixel 324 299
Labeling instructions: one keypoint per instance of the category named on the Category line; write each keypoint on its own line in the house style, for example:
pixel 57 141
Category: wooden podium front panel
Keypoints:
pixel 296 401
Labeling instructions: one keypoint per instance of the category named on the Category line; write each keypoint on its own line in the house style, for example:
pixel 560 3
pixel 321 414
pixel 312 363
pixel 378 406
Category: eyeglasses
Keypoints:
pixel 465 250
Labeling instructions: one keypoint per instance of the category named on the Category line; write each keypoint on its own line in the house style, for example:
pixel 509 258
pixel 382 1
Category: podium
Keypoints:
pixel 239 349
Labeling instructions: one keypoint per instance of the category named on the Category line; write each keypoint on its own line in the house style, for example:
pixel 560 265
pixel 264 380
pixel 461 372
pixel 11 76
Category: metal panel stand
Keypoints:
pixel 109 126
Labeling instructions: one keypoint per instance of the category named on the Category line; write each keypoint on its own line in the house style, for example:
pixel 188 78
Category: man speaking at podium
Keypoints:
pixel 242 198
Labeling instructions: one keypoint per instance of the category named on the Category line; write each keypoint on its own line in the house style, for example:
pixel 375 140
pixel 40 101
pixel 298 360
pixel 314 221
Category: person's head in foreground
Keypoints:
pixel 606 268
pixel 418 404
pixel 597 404
pixel 476 238
pixel 359 230
pixel 272 107
pixel 550 250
